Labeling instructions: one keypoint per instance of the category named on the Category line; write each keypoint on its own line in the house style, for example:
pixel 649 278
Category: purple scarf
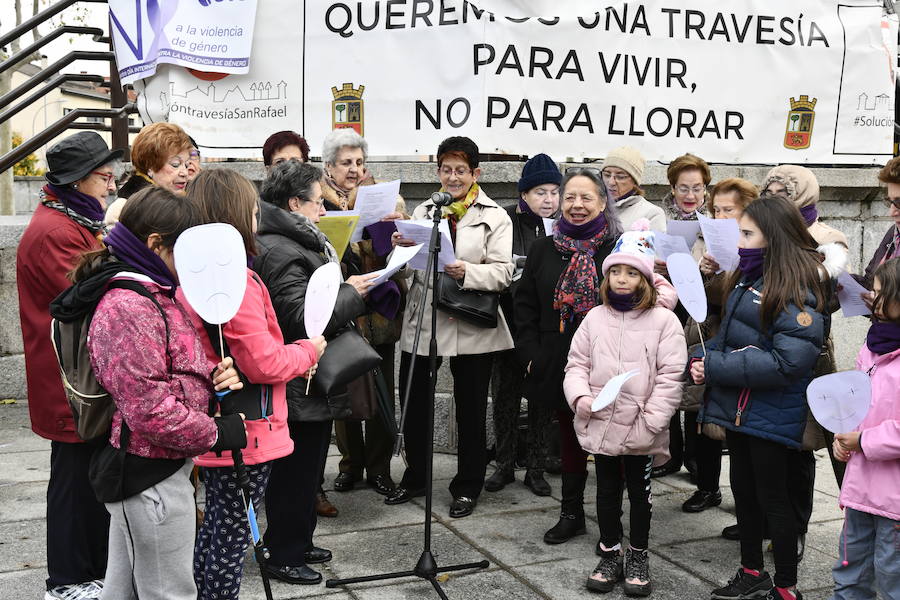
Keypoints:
pixel 621 302
pixel 752 261
pixel 581 232
pixel 526 210
pixel 883 337
pixel 79 202
pixel 135 253
pixel 810 213
pixel 578 288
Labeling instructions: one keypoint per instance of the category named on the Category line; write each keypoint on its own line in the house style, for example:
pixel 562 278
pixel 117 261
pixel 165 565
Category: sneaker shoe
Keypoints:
pixel 89 590
pixel 783 594
pixel 744 585
pixel 607 572
pixel 637 572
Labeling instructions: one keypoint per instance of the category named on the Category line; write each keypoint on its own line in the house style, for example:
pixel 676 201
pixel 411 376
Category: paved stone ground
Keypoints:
pixel 688 556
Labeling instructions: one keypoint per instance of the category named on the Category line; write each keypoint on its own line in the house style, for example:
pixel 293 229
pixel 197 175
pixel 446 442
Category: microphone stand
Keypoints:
pixel 426 567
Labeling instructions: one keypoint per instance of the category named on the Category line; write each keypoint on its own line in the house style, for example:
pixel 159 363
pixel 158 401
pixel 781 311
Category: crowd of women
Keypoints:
pixel 583 297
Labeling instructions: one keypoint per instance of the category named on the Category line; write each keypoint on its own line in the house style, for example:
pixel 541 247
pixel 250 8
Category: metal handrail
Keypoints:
pixel 51 85
pixel 101 127
pixel 22 54
pixel 54 69
pixel 46 14
pixel 29 146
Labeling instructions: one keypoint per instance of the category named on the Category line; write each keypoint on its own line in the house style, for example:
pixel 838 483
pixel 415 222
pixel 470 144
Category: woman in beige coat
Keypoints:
pixel 482 237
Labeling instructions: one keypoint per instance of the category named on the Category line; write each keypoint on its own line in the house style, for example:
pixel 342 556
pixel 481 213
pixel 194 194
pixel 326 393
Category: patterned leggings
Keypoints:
pixel 224 536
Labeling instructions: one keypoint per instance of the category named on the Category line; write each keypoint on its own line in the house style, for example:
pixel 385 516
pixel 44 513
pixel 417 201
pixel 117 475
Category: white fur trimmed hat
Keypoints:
pixel 635 248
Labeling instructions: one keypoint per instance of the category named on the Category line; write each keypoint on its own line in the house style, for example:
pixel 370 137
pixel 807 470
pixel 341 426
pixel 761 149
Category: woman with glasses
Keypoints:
pixel 160 156
pixel 799 185
pixel 67 223
pixel 559 285
pixel 481 233
pixel 688 177
pixel 889 247
pixel 538 200
pixel 622 170
pixel 290 249
pixel 364 454
pixel 193 164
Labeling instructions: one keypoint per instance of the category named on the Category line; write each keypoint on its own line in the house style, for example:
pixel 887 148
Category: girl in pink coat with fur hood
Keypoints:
pixel 870 494
pixel 629 331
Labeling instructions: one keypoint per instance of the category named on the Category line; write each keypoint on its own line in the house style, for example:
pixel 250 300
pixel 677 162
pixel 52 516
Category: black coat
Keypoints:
pixel 526 229
pixel 288 255
pixel 884 248
pixel 538 339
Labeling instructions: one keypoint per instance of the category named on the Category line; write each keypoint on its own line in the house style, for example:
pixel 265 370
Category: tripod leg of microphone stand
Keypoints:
pixel 331 583
pixel 437 588
pixel 481 564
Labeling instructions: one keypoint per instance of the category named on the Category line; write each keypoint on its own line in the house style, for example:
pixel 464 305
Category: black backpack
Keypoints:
pixel 92 406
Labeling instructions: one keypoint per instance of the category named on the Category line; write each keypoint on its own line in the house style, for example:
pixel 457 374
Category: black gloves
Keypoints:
pixel 232 435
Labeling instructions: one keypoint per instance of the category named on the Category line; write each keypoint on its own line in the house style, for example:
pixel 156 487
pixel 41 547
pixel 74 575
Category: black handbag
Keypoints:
pixel 347 357
pixel 472 306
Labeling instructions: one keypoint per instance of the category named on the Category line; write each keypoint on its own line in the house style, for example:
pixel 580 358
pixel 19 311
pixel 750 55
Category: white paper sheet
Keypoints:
pixel 612 389
pixel 399 257
pixel 667 245
pixel 721 237
pixel 852 304
pixel 374 202
pixel 548 225
pixel 689 230
pixel 419 231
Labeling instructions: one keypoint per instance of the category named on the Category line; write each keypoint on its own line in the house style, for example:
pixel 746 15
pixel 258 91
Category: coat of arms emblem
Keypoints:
pixel 347 107
pixel 798 131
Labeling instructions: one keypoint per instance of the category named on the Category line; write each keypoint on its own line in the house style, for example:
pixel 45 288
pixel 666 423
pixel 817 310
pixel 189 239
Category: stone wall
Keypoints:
pixel 850 201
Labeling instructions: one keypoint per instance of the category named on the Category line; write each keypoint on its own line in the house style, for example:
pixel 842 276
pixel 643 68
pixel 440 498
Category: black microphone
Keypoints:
pixel 442 199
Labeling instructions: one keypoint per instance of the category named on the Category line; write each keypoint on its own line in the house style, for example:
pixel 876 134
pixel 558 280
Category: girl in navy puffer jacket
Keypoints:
pixel 756 371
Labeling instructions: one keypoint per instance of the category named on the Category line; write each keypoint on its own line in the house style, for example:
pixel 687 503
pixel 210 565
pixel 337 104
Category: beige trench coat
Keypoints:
pixel 484 242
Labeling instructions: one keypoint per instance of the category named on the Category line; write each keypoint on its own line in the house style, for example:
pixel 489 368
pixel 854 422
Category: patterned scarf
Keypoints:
pixel 325 246
pixel 457 210
pixel 343 196
pixel 578 288
pixel 51 197
pixel 674 213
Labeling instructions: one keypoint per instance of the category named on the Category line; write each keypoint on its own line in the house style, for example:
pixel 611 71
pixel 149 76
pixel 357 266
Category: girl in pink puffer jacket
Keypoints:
pixel 629 331
pixel 870 494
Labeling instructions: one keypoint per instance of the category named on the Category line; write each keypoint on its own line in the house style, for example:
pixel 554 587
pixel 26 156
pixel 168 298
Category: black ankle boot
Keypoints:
pixel 534 480
pixel 571 513
pixel 499 479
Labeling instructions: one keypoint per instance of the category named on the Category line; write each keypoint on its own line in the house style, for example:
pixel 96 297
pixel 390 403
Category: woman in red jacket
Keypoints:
pixel 254 339
pixel 67 223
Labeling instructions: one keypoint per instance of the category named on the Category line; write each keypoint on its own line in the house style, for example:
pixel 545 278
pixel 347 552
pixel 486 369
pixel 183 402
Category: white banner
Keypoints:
pixel 207 35
pixel 756 81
